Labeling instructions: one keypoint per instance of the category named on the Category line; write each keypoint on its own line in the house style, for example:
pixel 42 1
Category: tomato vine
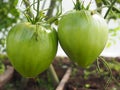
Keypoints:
pixel 110 8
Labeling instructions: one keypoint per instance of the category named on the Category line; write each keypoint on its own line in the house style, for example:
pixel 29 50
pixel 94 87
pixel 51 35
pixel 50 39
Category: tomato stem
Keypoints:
pixel 110 71
pixel 38 7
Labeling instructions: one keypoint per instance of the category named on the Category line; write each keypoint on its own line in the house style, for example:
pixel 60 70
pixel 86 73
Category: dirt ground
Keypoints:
pixel 80 79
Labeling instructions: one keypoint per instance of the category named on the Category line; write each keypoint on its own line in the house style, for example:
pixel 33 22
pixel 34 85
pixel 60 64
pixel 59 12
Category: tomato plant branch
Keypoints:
pixel 58 13
pixel 34 5
pixel 43 5
pixel 105 2
pixel 53 74
pixel 27 4
pixel 110 71
pixel 110 8
pixel 51 8
pixel 116 9
pixel 98 67
pixel 38 8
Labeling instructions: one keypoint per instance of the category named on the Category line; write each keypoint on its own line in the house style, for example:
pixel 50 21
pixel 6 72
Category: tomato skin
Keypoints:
pixel 31 49
pixel 83 36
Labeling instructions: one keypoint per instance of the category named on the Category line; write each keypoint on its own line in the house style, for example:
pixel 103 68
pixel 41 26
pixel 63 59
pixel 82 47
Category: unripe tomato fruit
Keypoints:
pixel 31 48
pixel 82 35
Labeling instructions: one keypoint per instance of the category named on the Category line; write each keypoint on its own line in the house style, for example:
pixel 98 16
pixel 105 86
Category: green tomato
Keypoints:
pixel 31 48
pixel 82 35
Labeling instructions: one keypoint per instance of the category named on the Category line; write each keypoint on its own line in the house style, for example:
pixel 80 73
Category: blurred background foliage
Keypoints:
pixel 9 15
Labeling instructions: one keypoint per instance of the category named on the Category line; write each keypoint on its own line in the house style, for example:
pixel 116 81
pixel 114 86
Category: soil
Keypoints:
pixel 80 79
pixel 91 79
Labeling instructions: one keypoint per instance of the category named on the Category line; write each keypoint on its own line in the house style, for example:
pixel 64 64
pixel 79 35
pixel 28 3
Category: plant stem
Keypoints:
pixel 53 74
pixel 34 5
pixel 38 7
pixel 44 2
pixel 110 8
pixel 105 2
pixel 116 9
pixel 51 8
pixel 110 71
pixel 27 4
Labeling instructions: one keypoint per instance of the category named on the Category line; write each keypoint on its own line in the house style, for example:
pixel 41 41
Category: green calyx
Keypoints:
pixel 80 5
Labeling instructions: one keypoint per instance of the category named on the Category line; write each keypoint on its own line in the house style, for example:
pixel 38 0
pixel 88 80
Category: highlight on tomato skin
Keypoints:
pixel 82 35
pixel 30 48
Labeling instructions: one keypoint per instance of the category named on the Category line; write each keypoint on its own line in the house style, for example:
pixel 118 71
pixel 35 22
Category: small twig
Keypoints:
pixel 64 79
pixel 4 78
pixel 110 8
